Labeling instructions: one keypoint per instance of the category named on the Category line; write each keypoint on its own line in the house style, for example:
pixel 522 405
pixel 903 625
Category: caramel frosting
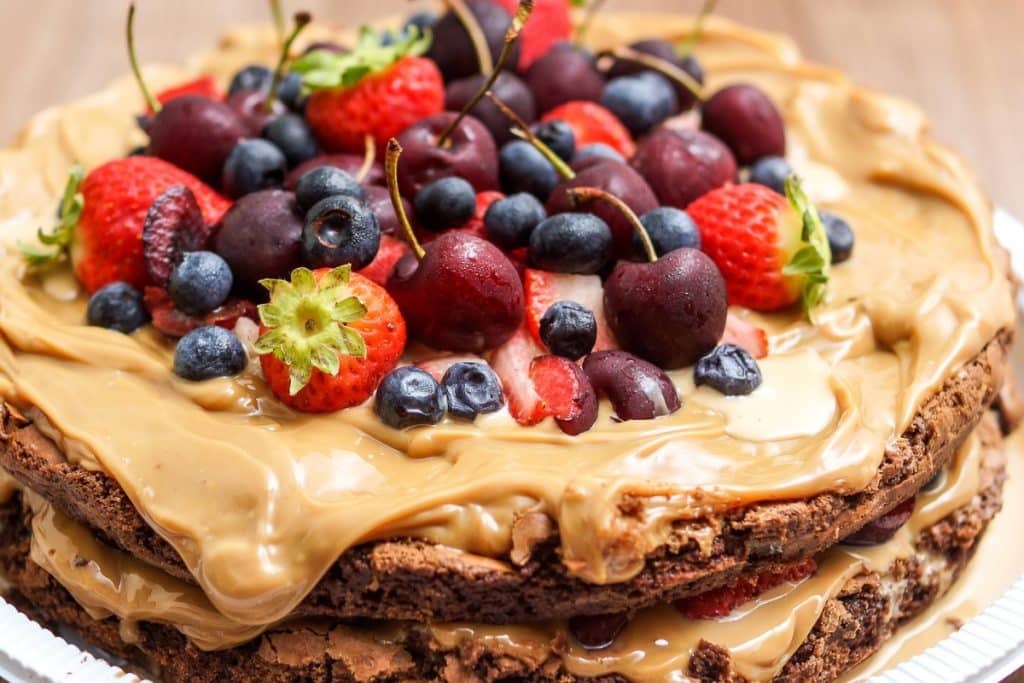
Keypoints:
pixel 259 501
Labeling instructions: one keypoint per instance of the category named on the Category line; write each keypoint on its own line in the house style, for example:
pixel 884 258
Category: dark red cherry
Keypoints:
pixel 452 50
pixel 638 390
pixel 509 88
pixel 378 201
pixel 350 163
pixel 682 164
pixel 745 119
pixel 883 528
pixel 250 105
pixel 463 295
pixel 469 154
pixel 196 133
pixel 615 178
pixel 662 49
pixel 564 74
pixel 596 632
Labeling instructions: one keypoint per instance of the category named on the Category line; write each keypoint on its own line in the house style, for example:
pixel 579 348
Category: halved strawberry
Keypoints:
pixel 543 289
pixel 511 361
pixel 438 366
pixel 174 323
pixel 204 85
pixel 566 392
pixel 591 123
pixel 388 254
pixel 722 601
pixel 745 335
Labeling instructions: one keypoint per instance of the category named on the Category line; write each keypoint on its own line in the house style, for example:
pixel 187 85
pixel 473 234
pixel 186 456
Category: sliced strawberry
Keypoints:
pixel 390 251
pixel 722 601
pixel 174 323
pixel 438 366
pixel 204 85
pixel 511 361
pixel 749 337
pixel 565 390
pixel 543 289
pixel 591 123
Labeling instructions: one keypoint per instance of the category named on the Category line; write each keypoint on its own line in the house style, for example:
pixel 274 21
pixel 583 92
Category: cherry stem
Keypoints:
pixel 522 131
pixel 582 195
pixel 277 13
pixel 153 103
pixel 391 171
pixel 475 33
pixel 698 25
pixel 302 20
pixel 369 156
pixel 514 29
pixel 662 66
pixel 589 13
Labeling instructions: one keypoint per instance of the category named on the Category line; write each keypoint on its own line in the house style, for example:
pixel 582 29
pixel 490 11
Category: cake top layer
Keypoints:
pixel 260 501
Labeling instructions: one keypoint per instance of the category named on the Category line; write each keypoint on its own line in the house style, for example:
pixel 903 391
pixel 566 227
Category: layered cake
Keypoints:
pixel 461 352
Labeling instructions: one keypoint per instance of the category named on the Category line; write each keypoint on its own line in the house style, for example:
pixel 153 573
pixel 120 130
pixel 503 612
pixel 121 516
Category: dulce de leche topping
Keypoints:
pixel 259 501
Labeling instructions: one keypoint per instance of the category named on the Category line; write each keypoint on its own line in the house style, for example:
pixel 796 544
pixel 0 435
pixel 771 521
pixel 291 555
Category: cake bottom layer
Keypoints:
pixel 892 584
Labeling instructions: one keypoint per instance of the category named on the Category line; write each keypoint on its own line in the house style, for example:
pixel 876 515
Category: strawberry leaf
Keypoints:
pixel 59 237
pixel 324 70
pixel 812 261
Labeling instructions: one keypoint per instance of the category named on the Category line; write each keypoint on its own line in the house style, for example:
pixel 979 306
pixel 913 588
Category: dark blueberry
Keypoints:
pixel 771 171
pixel 728 369
pixel 209 352
pixel 471 389
pixel 409 396
pixel 557 135
pixel 568 329
pixel 840 236
pixel 323 182
pixel 640 102
pixel 509 222
pixel 289 91
pixel 253 77
pixel 118 306
pixel 253 165
pixel 200 283
pixel 339 230
pixel 292 135
pixel 669 229
pixel 571 243
pixel 445 203
pixel 524 169
pixel 598 150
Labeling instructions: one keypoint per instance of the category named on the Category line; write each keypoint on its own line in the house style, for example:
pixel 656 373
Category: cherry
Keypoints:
pixel 453 49
pixel 470 154
pixel 683 164
pixel 638 390
pixel 745 119
pixel 350 163
pixel 508 87
pixel 459 292
pixel 885 527
pixel 669 310
pixel 565 74
pixel 616 178
pixel 249 105
pixel 666 51
pixel 378 200
pixel 597 632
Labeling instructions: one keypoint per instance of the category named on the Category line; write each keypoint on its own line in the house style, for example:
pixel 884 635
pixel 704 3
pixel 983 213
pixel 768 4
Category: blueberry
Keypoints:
pixel 209 352
pixel 728 369
pixel 289 91
pixel 571 243
pixel 840 236
pixel 669 229
pixel 339 230
pixel 118 306
pixel 409 396
pixel 771 171
pixel 557 135
pixel 599 150
pixel 323 182
pixel 509 222
pixel 640 102
pixel 568 329
pixel 292 135
pixel 471 389
pixel 253 165
pixel 200 283
pixel 445 203
pixel 524 169
pixel 253 77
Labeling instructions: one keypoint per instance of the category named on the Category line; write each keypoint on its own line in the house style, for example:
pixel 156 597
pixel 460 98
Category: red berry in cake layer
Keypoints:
pixel 591 123
pixel 550 23
pixel 599 631
pixel 327 338
pixel 885 527
pixel 544 289
pixel 722 601
pixel 772 250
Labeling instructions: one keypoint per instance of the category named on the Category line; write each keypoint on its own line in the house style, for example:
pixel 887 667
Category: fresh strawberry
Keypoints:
pixel 543 289
pixel 566 393
pixel 439 365
pixel 374 90
pixel 102 218
pixel 327 338
pixel 390 251
pixel 550 23
pixel 204 85
pixel 749 337
pixel 591 123
pixel 172 322
pixel 722 601
pixel 511 362
pixel 772 250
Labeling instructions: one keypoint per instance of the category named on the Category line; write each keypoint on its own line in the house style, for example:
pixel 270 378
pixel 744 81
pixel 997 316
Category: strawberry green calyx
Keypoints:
pixel 325 70
pixel 813 260
pixel 306 323
pixel 59 238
